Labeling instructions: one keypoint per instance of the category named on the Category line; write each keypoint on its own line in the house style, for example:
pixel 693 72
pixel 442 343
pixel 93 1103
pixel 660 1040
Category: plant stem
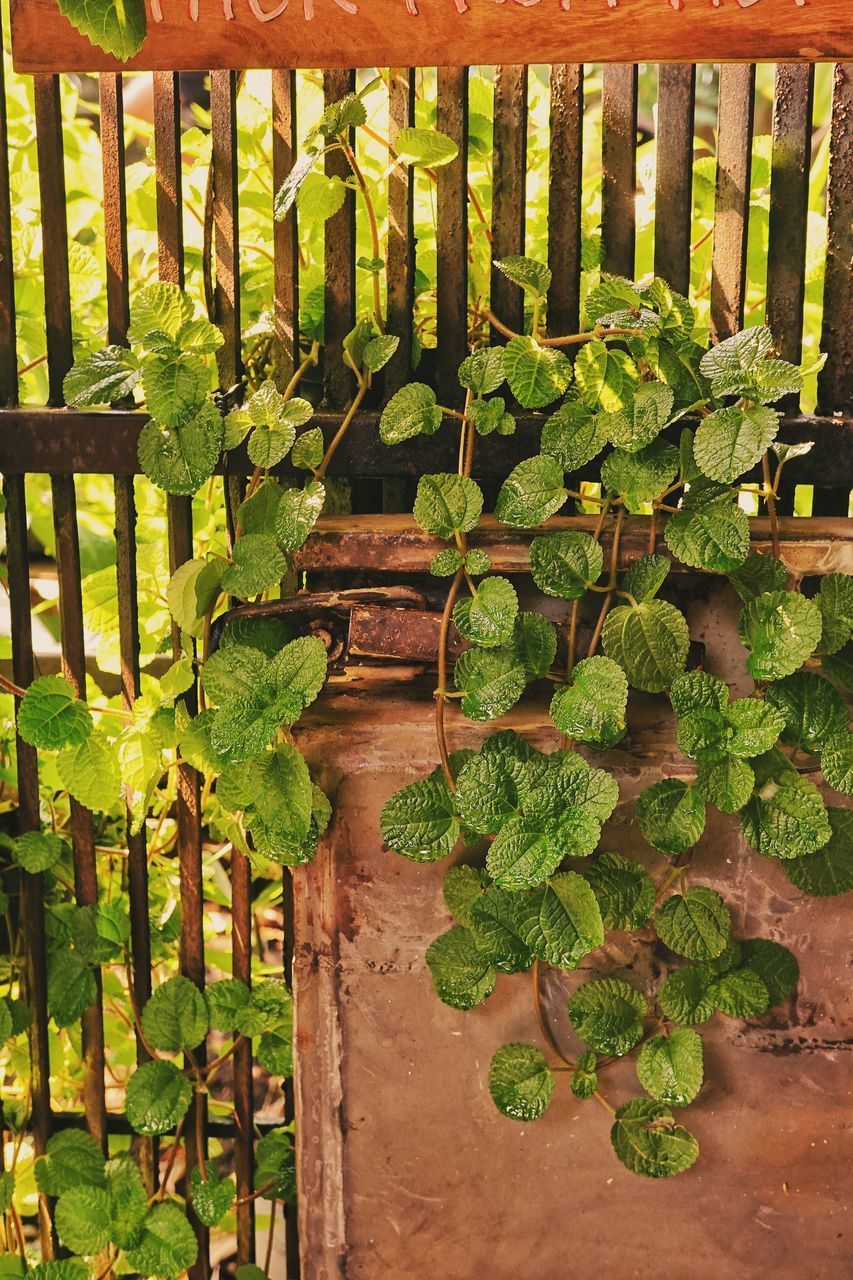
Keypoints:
pixel 770 498
pixel 441 691
pixel 343 428
pixel 544 1024
pixel 173 1155
pixel 608 599
pixel 374 231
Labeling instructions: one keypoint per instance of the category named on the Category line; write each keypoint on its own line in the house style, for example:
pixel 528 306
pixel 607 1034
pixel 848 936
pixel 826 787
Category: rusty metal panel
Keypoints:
pixel 406 1168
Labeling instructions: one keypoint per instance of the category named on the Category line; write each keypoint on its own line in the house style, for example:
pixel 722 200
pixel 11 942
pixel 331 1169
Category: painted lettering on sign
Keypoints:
pixel 307 8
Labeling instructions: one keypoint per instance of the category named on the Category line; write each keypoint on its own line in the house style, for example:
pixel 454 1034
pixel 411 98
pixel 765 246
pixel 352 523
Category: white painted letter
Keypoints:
pixel 255 6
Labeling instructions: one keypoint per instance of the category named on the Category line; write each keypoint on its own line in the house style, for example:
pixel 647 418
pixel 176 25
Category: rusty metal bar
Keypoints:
pixel 167 157
pixel 400 263
pixel 8 335
pixel 285 238
pixel 731 211
pixel 564 198
pixel 619 167
pixel 509 182
pixel 60 358
pixel 835 383
pixel 452 232
pixel 340 262
pixel 674 174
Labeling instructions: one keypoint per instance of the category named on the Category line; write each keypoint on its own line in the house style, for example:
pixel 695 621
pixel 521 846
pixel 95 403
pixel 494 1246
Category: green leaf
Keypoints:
pixel 565 564
pixel 225 1001
pixel 522 855
pixel 493 785
pixel 775 966
pixel 180 459
pixel 289 189
pixel 101 378
pixel 494 928
pixel 839 667
pixel 592 708
pixel 647 1140
pixel 687 995
pixel 650 642
pixel 158 309
pixel 786 818
pixel 624 890
pixel 645 578
pixel 483 371
pixel 300 669
pixel 72 1159
pixel 297 513
pixel 275 1165
pixel 99 931
pixel 536 375
pixel 462 977
pixel 307 452
pixel 671 814
pixel 585 1077
pixel 835 601
pixel 781 629
pixel 419 821
pixel 175 1018
pixel 446 562
pixel 813 712
pixel 729 363
pixel 836 762
pixel 709 530
pixel 828 872
pixel 425 147
pixel 192 592
pixel 531 276
pixel 741 993
pixel 531 493
pixel 520 1081
pixel 727 784
pixel 158 1096
pixel 51 716
pixel 731 441
pixel 640 476
pixel 670 1068
pixel 412 411
pixel 168 1245
pixel 71 987
pixel 89 771
pixel 607 1014
pixel 7 1193
pixel 694 689
pixel 574 436
pixel 128 1200
pixel 487 618
pixel 605 378
pixel 492 681
pixel 211 1197
pixel 257 563
pixel 697 925
pixel 119 29
pixel 642 419
pixel 200 335
pixel 175 385
pixel 37 851
pixel 560 921
pixel 757 574
pixel 82 1219
pixel 462 887
pixel 267 447
pixel 612 293
pixel 379 351
pixel 534 641
pixel 447 504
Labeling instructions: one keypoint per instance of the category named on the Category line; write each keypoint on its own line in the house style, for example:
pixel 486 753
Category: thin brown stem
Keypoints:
pixel 268 1259
pixel 441 691
pixel 343 428
pixel 374 231
pixel 608 599
pixel 770 499
pixel 544 1024
pixel 170 1164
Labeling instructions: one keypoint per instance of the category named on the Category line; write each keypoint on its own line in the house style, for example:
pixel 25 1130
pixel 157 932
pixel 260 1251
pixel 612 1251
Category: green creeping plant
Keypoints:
pixel 549 887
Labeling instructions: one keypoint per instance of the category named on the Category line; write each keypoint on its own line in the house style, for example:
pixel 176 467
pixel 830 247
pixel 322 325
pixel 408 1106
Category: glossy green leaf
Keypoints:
pixel 649 641
pixel 461 975
pixel 647 1140
pixel 520 1081
pixel 607 1014
pixel 670 1067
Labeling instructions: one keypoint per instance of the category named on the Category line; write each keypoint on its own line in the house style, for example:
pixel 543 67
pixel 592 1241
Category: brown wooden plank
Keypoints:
pixel 340 263
pixel 452 232
pixel 835 382
pixel 674 174
pixel 400 251
pixel 115 206
pixel 731 213
pixel 509 182
pixel 60 357
pixel 285 235
pixel 98 442
pixel 619 168
pixel 384 33
pixel 564 198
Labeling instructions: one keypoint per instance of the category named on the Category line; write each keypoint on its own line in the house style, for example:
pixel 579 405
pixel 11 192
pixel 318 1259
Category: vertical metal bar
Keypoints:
pixel 619 167
pixel 674 174
pixel 564 198
pixel 400 264
pixel 731 210
pixel 340 263
pixel 223 102
pixel 8 337
pixel 835 382
pixel 60 358
pixel 509 181
pixel 452 232
pixel 291 1215
pixel 285 240
pixel 167 156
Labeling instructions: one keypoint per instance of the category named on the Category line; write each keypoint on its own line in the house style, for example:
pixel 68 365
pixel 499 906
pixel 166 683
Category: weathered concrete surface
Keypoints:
pixel 407 1170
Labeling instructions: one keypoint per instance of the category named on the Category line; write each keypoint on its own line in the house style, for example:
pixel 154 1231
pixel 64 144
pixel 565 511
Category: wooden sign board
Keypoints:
pixel 206 35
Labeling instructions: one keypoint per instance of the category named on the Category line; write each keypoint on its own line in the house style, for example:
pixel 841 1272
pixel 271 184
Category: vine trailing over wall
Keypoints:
pixel 550 887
